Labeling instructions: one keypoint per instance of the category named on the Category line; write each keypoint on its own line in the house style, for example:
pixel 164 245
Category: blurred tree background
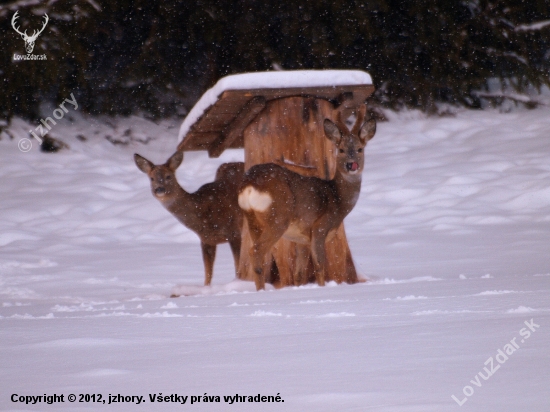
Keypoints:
pixel 157 57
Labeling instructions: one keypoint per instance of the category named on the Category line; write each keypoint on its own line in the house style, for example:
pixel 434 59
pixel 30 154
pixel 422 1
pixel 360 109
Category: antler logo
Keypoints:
pixel 29 40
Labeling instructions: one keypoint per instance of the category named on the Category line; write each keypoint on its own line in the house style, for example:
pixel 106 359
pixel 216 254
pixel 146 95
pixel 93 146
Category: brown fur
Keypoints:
pixel 305 210
pixel 212 212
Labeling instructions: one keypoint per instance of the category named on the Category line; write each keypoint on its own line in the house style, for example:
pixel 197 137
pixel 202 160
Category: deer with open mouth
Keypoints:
pixel 278 202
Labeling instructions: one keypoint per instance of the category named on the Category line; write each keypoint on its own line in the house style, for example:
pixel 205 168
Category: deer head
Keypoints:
pixel 163 179
pixel 29 40
pixel 350 158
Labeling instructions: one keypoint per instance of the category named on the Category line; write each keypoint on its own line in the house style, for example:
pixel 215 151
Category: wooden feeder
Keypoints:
pixel 282 123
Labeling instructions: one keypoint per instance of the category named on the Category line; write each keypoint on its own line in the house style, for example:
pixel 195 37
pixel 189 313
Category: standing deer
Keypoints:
pixel 29 40
pixel 212 212
pixel 280 203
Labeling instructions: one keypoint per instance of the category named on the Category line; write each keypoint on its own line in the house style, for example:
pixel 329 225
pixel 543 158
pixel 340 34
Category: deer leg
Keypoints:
pixel 261 261
pixel 208 256
pixel 235 245
pixel 302 259
pixel 318 254
pixel 264 238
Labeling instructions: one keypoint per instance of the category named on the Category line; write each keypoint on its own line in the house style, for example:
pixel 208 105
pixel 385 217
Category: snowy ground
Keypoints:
pixel 452 229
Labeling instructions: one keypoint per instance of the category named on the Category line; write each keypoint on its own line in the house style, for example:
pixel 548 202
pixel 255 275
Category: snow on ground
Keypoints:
pixel 452 230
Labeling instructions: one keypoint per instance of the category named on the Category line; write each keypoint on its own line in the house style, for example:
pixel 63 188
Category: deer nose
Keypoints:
pixel 160 190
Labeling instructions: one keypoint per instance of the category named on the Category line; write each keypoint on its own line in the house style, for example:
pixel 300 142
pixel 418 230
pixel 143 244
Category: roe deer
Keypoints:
pixel 279 203
pixel 212 212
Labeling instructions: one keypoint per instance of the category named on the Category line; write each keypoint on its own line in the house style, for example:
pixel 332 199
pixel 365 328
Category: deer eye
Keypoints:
pixel 152 180
pixel 168 177
pixel 341 150
pixel 360 150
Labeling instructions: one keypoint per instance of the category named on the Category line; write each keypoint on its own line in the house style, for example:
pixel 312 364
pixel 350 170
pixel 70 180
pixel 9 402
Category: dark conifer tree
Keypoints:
pixel 158 56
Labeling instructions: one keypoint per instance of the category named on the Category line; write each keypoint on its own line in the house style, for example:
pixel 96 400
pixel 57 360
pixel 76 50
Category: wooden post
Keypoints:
pixel 290 130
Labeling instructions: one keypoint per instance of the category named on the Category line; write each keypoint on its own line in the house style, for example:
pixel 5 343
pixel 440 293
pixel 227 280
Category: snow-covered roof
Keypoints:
pixel 272 80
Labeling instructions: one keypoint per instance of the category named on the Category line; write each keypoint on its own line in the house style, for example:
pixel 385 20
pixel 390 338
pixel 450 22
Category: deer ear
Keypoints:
pixel 367 131
pixel 332 132
pixel 175 161
pixel 142 163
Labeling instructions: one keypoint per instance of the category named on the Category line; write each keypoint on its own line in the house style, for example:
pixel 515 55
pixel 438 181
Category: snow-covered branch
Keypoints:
pixel 16 5
pixel 533 26
pixel 515 97
pixel 19 4
pixel 494 52
pixel 94 5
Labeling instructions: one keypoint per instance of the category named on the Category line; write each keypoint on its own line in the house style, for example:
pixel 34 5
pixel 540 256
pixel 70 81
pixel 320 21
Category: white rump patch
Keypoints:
pixel 250 198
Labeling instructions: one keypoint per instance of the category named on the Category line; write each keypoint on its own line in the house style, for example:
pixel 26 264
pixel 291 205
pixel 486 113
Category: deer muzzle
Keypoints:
pixel 352 166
